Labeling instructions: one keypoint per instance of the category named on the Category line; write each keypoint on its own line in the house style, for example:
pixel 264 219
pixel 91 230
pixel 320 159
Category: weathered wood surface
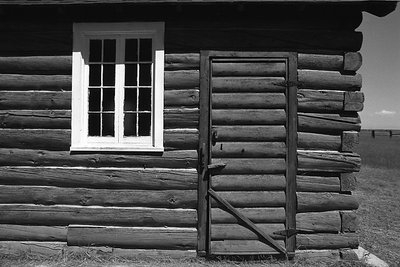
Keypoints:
pixel 250 133
pixel 348 182
pixel 248 85
pixel 248 100
pixel 319 141
pixel 324 161
pixel 179 98
pixel 243 69
pixel 328 123
pixel 51 195
pixel 45 65
pixel 111 178
pixel 256 215
pixel 320 222
pixel 132 237
pixel 350 141
pixel 59 140
pixel 328 80
pixel 251 199
pixel 28 214
pixel 31 100
pixel 242 247
pixel 248 117
pixel 182 61
pixel 350 61
pixel 350 221
pixel 28 157
pixel 249 150
pixel 317 184
pixel 310 202
pixel 35 82
pixel 38 119
pixel 239 232
pixel 32 248
pixel 353 101
pixel 181 118
pixel 327 241
pixel 325 101
pixel 252 165
pixel 9 232
pixel 182 79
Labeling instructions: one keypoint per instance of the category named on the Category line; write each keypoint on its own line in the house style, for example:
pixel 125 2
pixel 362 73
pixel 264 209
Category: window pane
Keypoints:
pixel 130 99
pixel 95 51
pixel 94 99
pixel 145 74
pixel 108 124
pixel 108 99
pixel 145 99
pixel 109 51
pixel 130 124
pixel 131 47
pixel 109 75
pixel 130 74
pixel 94 124
pixel 145 53
pixel 94 75
pixel 144 124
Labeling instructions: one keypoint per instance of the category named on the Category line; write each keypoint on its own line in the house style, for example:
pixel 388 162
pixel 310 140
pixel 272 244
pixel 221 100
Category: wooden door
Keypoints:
pixel 247 153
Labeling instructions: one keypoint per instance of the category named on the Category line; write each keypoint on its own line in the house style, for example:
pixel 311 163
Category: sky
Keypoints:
pixel 381 71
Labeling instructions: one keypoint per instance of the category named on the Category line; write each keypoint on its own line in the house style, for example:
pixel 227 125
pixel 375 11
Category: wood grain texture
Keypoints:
pixel 352 61
pixel 310 202
pixel 132 237
pixel 248 84
pixel 248 116
pixel 319 141
pixel 256 215
pixel 242 247
pixel 328 123
pixel 328 80
pixel 28 214
pixel 35 82
pixel 249 150
pixel 51 195
pixel 181 139
pixel 243 199
pixel 327 241
pixel 253 166
pixel 181 98
pixel 38 119
pixel 320 222
pixel 182 61
pixel 248 183
pixel 248 100
pixel 353 101
pixel 44 65
pixel 315 161
pixel 28 157
pixel 348 181
pixel 243 69
pixel 240 232
pixel 10 232
pixel 320 62
pixel 320 101
pixel 350 141
pixel 317 184
pixel 181 79
pixel 250 133
pixel 34 248
pixel 181 118
pixel 350 221
pixel 32 100
pixel 111 178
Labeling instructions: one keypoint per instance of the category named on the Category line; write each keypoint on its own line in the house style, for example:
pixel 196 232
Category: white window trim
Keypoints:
pixel 80 141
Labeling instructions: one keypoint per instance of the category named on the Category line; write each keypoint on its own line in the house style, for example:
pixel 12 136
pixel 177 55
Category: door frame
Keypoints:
pixel 205 135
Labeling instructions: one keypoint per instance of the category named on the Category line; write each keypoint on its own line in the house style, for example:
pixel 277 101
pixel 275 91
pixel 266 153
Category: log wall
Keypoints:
pixel 143 194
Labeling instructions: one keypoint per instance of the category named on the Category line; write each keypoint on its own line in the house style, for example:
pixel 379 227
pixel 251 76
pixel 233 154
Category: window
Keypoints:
pixel 117 87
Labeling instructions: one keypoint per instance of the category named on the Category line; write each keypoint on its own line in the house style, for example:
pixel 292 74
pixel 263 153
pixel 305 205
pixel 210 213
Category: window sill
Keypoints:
pixel 116 149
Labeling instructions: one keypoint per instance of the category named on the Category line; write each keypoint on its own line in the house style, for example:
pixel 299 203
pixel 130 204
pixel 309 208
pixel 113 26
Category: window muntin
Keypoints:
pixel 120 88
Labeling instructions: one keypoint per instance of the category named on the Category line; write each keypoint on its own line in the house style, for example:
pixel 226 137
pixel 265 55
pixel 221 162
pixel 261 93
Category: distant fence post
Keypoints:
pixel 391 133
pixel 373 133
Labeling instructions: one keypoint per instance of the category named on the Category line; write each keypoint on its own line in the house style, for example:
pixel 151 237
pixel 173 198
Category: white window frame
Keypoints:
pixel 82 33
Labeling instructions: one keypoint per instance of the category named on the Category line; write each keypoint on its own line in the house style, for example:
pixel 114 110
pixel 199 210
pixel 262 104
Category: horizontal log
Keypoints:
pixel 47 119
pixel 320 101
pixel 317 184
pixel 177 139
pixel 319 141
pixel 247 199
pixel 348 182
pixel 310 202
pixel 51 195
pixel 32 249
pixel 9 232
pixel 183 61
pixel 248 100
pixel 350 141
pixel 182 79
pixel 242 247
pixel 248 182
pixel 250 133
pixel 243 69
pixel 350 221
pixel 324 161
pixel 319 222
pixel 239 232
pixel 253 166
pixel 111 178
pixel 327 241
pixel 328 123
pixel 28 157
pixel 353 101
pixel 35 100
pixel 28 214
pixel 248 116
pixel 181 118
pixel 248 85
pixel 328 80
pixel 35 82
pixel 181 98
pixel 49 65
pixel 352 61
pixel 249 150
pixel 256 215
pixel 132 237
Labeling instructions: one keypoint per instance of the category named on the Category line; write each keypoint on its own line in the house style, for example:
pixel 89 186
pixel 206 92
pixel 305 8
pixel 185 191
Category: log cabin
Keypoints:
pixel 188 127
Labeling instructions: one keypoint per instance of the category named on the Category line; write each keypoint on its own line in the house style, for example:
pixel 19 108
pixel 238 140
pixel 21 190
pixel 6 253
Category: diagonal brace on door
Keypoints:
pixel 265 238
